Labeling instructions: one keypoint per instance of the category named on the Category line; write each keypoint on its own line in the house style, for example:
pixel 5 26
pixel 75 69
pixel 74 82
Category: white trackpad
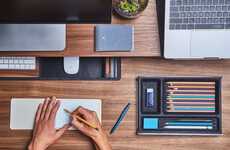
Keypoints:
pixel 210 44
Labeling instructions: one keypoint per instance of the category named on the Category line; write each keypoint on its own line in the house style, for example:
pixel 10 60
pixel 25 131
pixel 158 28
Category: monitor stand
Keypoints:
pixel 32 37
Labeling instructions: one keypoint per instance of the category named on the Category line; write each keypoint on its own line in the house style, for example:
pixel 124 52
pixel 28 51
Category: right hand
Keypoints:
pixel 98 136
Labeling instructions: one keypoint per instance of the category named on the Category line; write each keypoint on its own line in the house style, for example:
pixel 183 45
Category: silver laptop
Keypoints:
pixel 196 29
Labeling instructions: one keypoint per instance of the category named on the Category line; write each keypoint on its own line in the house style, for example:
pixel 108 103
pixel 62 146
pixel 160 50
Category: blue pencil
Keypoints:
pixel 189 124
pixel 190 96
pixel 120 118
pixel 197 109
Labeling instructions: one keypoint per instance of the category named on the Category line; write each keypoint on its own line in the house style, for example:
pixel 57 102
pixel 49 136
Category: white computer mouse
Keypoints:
pixel 71 65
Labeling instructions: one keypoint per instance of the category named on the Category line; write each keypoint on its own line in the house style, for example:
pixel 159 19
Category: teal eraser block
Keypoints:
pixel 150 123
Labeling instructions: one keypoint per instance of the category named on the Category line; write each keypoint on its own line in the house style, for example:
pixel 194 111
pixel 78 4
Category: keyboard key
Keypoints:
pixel 183 26
pixel 221 2
pixel 5 61
pixel 191 26
pixel 227 2
pixel 227 20
pixel 174 15
pixel 16 61
pixel 11 66
pixel 11 61
pixel 215 2
pixel 218 8
pixel 227 26
pixel 28 61
pixel 174 9
pixel 209 26
pixel 172 2
pixel 224 8
pixel 197 2
pixel 172 26
pixel 219 14
pixel 4 66
pixel 31 67
pixel 179 2
pixel 185 20
pixel 191 20
pixel 20 61
pixel 225 14
pixel 178 26
pixel 185 2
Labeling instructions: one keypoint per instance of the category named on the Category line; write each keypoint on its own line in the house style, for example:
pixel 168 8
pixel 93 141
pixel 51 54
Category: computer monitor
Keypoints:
pixel 40 25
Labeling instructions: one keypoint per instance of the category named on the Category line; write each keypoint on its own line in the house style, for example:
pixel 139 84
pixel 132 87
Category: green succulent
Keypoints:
pixel 130 6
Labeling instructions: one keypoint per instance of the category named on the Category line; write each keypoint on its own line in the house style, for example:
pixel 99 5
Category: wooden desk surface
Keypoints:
pixel 115 94
pixel 80 39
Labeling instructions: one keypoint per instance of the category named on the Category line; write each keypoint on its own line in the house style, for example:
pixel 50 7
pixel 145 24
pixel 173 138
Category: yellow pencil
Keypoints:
pixel 81 119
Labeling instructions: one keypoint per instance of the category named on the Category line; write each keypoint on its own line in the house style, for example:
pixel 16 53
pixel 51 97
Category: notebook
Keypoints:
pixel 114 38
pixel 23 111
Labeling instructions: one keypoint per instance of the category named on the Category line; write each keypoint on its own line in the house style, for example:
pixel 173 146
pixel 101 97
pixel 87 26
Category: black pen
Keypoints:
pixel 120 118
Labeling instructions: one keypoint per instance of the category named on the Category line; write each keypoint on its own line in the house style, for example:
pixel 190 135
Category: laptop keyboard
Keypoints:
pixel 199 14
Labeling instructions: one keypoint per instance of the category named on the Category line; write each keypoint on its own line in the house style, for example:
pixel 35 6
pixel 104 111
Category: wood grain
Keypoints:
pixel 80 39
pixel 115 94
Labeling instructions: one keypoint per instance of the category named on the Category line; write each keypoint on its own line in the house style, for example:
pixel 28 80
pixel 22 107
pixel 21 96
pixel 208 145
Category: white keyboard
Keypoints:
pixel 17 63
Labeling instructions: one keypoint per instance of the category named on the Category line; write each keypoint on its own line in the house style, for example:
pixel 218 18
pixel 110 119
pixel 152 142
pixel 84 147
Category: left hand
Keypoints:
pixel 44 133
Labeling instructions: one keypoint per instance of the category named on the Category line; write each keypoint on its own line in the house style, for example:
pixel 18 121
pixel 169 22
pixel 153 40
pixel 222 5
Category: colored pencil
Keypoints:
pixel 190 103
pixel 170 98
pixel 209 83
pixel 81 119
pixel 193 94
pixel 199 102
pixel 189 123
pixel 180 88
pixel 191 120
pixel 188 107
pixel 190 100
pixel 188 127
pixel 191 111
pixel 192 91
pixel 191 86
pixel 188 85
pixel 190 97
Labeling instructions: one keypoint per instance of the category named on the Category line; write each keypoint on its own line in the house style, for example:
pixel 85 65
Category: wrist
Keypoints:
pixel 103 146
pixel 102 142
pixel 35 146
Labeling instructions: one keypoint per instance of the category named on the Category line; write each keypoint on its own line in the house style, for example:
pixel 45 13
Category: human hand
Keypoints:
pixel 98 136
pixel 44 133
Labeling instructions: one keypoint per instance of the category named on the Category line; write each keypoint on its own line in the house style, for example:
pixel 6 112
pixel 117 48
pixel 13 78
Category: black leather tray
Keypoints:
pixel 52 69
pixel 147 82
